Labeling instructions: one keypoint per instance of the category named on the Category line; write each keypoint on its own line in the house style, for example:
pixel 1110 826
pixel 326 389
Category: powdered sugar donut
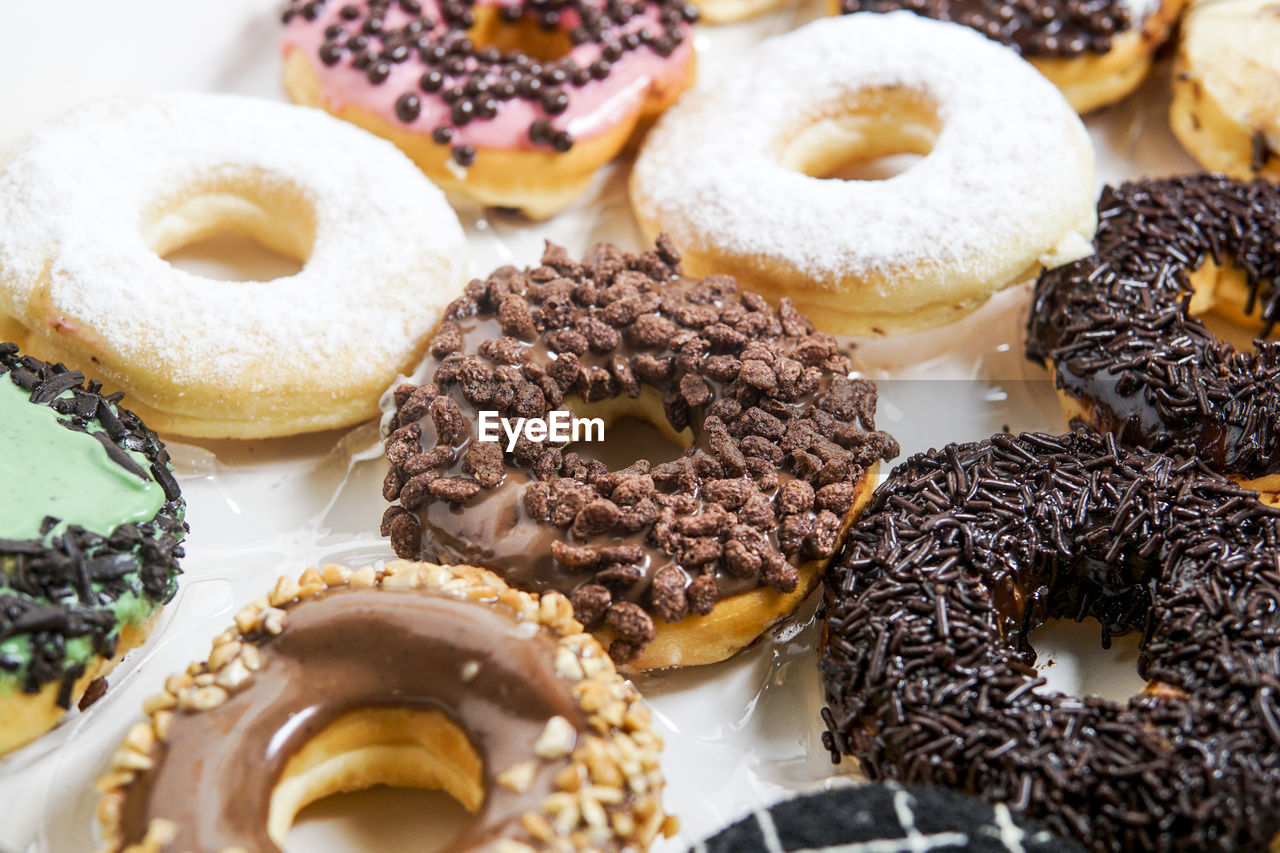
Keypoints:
pixel 1004 189
pixel 91 203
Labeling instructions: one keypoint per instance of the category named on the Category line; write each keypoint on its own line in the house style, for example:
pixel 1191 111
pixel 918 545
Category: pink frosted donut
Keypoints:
pixel 511 102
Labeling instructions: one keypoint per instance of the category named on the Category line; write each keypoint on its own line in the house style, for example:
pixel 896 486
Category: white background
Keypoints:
pixel 738 733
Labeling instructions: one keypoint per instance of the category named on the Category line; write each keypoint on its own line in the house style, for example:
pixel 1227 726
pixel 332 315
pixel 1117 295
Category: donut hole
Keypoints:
pixel 396 747
pixel 634 428
pixel 1220 296
pixel 525 36
pixel 876 134
pixel 1070 659
pixel 240 226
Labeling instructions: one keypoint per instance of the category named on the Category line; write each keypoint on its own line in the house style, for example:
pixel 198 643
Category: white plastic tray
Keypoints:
pixel 739 733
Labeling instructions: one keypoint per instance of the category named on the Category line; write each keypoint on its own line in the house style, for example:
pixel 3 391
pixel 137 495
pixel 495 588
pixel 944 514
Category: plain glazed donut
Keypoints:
pixel 511 103
pixel 929 673
pixel 887 818
pixel 1226 87
pixel 90 204
pixel 415 675
pixel 1120 330
pixel 90 535
pixel 674 564
pixel 1005 188
pixel 1095 52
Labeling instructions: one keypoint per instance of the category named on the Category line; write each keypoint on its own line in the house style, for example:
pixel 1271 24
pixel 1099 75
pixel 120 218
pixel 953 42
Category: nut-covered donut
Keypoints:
pixel 886 818
pixel 414 675
pixel 734 173
pixel 92 202
pixel 963 552
pixel 90 535
pixel 678 563
pixel 513 103
pixel 1120 329
pixel 1095 51
pixel 1226 87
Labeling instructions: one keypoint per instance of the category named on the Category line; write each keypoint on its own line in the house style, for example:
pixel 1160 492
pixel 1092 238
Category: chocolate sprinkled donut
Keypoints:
pixel 1035 28
pixel 888 818
pixel 929 673
pixel 82 585
pixel 1124 345
pixel 778 442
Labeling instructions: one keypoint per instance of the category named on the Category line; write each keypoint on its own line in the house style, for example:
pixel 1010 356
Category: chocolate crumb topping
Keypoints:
pixel 476 81
pixel 1117 329
pixel 774 419
pixel 1037 29
pixel 66 586
pixel 929 672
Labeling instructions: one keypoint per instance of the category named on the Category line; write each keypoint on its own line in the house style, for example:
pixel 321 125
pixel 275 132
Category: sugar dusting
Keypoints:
pixel 1004 169
pixel 75 193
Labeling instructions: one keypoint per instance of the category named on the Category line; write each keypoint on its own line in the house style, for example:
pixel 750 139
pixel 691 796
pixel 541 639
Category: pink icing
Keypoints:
pixel 593 109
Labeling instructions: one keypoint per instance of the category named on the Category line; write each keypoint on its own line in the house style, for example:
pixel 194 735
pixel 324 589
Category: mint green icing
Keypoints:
pixel 48 470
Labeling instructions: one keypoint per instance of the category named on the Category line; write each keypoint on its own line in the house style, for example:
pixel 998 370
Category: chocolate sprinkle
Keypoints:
pixel 1117 330
pixel 929 673
pixel 476 80
pixel 66 585
pixel 1037 29
pixel 769 401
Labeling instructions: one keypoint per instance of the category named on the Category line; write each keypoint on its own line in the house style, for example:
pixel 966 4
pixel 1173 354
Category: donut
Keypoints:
pixel 885 818
pixel 733 174
pixel 674 564
pixel 92 202
pixel 505 102
pixel 413 675
pixel 1226 87
pixel 929 672
pixel 1128 352
pixel 1095 52
pixel 91 531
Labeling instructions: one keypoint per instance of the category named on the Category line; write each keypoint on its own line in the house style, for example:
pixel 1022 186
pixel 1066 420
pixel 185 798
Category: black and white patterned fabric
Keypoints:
pixel 886 818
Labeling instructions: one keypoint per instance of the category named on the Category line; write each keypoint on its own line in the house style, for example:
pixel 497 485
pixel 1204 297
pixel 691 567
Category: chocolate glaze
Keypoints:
pixel 781 439
pixel 963 552
pixel 1037 29
pixel 344 651
pixel 1117 330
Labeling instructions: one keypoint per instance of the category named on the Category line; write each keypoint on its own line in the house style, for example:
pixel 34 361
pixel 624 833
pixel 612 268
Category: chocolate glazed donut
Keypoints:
pixel 780 450
pixel 1119 328
pixel 929 673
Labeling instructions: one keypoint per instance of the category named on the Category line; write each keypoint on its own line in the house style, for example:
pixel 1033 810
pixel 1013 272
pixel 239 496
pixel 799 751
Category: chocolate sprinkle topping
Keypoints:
pixel 962 553
pixel 1117 330
pixel 66 585
pixel 1037 29
pixel 782 437
pixel 476 80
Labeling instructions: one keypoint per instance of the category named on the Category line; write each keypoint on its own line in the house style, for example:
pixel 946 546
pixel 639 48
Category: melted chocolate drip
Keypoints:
pixel 963 552
pixel 1117 330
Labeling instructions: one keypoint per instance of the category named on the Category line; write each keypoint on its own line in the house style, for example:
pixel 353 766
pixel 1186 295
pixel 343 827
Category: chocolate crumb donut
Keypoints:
pixel 91 531
pixel 1095 51
pixel 929 672
pixel 1120 329
pixel 888 818
pixel 413 675
pixel 677 563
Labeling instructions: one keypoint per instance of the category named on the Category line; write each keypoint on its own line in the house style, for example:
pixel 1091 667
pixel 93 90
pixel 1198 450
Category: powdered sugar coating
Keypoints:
pixel 1010 170
pixel 76 195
